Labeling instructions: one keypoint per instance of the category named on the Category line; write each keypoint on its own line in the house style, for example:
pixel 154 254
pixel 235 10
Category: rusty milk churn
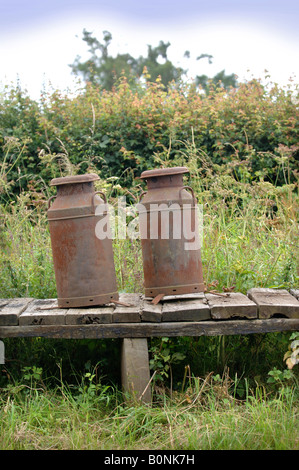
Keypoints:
pixel 83 263
pixel 167 222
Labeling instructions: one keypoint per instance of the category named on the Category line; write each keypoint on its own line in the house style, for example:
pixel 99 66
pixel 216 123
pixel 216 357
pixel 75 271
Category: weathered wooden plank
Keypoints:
pixel 185 310
pixel 234 304
pixel 10 312
pixel 150 312
pixel 42 312
pixel 87 316
pixel 3 302
pixel 143 330
pixel 272 302
pixel 130 313
pixel 295 293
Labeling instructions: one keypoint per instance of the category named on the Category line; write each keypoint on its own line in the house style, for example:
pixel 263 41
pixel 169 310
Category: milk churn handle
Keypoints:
pixel 49 200
pixel 102 194
pixel 190 189
pixel 142 194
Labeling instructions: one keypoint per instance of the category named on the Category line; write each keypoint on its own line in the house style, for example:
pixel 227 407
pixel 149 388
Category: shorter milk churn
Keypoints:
pixel 168 224
pixel 83 263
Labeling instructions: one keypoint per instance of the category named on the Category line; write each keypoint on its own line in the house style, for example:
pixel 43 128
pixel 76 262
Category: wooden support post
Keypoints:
pixel 2 353
pixel 135 371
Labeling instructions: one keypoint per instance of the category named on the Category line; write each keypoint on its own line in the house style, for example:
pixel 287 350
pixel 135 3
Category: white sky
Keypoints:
pixel 39 38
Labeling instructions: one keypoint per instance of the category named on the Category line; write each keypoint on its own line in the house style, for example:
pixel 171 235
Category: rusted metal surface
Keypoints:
pixel 169 267
pixel 83 264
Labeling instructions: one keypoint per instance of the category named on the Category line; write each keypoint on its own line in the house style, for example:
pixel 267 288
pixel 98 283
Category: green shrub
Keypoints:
pixel 252 129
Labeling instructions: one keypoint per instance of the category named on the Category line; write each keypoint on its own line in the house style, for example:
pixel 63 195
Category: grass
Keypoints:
pixel 206 416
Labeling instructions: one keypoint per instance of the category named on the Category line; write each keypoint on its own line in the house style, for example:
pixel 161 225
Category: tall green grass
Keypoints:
pixel 207 416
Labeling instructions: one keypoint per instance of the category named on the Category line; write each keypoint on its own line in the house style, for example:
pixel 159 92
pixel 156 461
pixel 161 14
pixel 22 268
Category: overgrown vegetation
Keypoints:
pixel 206 416
pixel 241 147
pixel 252 131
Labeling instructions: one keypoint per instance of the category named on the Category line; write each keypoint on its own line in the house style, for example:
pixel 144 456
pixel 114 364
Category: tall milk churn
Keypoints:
pixel 168 225
pixel 83 263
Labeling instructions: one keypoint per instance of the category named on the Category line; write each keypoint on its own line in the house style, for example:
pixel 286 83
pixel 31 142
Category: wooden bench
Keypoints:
pixel 136 318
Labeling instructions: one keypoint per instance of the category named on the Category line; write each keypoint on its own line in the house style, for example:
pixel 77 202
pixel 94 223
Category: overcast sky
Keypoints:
pixel 39 38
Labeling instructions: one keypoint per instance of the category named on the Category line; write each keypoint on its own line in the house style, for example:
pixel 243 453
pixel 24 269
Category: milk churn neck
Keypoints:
pixel 164 176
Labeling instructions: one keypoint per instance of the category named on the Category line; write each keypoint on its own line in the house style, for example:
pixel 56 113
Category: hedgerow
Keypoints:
pixel 120 133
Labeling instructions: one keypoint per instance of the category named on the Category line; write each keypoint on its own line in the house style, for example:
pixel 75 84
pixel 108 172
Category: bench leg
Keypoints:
pixel 2 353
pixel 135 373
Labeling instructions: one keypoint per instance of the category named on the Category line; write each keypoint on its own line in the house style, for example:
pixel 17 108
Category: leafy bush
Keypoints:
pixel 252 128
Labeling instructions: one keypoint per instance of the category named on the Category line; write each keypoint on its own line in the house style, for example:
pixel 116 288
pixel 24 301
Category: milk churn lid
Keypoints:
pixel 164 172
pixel 74 179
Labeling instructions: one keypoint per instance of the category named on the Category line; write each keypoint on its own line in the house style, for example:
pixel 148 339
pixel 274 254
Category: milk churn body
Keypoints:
pixel 83 264
pixel 170 268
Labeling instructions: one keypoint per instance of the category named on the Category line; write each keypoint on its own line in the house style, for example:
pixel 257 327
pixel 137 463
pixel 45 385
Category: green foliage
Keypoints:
pixel 19 140
pixel 251 130
pixel 164 354
pixel 32 373
pixel 101 68
pixel 278 376
pixel 104 70
pixel 220 79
